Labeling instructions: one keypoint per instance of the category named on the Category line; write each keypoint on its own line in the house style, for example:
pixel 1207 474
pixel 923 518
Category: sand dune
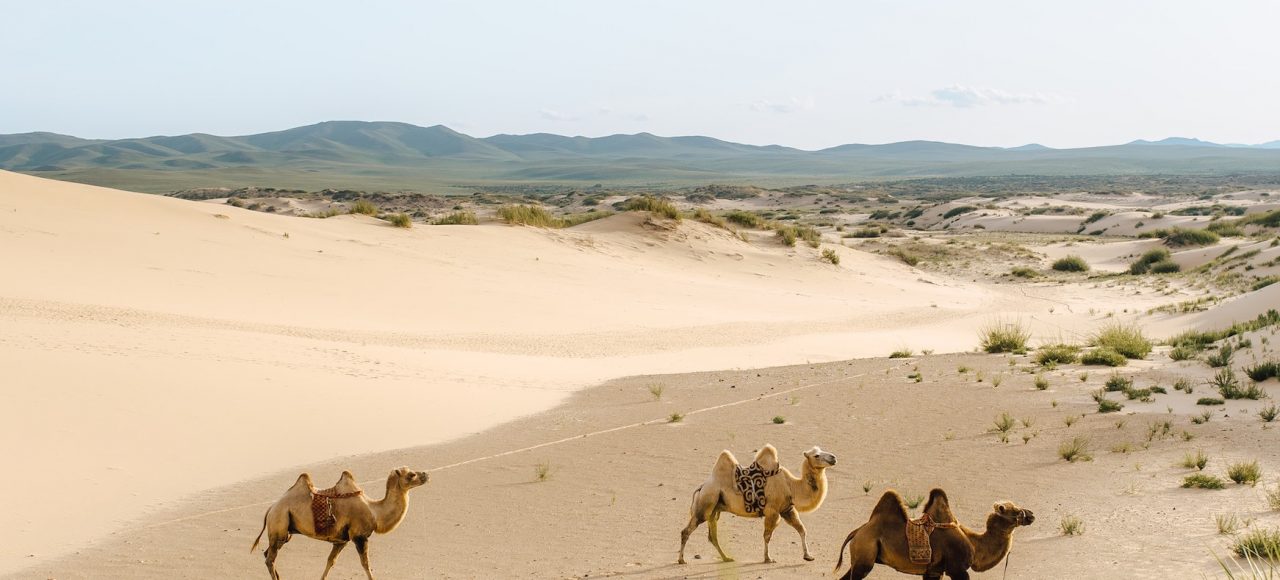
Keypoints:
pixel 158 347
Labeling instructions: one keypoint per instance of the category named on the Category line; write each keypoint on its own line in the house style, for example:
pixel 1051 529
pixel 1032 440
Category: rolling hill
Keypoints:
pixel 394 156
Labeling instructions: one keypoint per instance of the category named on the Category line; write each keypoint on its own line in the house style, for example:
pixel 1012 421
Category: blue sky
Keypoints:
pixel 807 73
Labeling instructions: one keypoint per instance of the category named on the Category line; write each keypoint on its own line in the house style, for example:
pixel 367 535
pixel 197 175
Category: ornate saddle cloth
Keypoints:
pixel 751 480
pixel 918 532
pixel 322 508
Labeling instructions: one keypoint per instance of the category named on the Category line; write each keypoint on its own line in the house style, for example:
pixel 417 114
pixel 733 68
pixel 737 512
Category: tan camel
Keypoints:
pixel 956 548
pixel 354 516
pixel 785 496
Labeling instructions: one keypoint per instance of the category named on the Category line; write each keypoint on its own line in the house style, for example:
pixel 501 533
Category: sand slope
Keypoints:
pixel 153 348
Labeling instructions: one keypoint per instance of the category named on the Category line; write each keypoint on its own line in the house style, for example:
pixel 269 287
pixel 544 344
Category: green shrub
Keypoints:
pixel 1125 339
pixel 528 215
pixel 457 218
pixel 1226 229
pixel 1023 272
pixel 1117 383
pixel 400 220
pixel 830 255
pixel 1229 386
pixel 1104 356
pixel 1166 267
pixel 1179 237
pixel 1071 264
pixel 1004 423
pixel 1071 525
pixel 1143 264
pixel 1181 353
pixel 707 217
pixel 745 219
pixel 1106 405
pixel 1203 481
pixel 906 257
pixel 789 234
pixel 1197 461
pixel 1000 337
pixel 1270 219
pixel 1243 473
pixel 864 233
pixel 1268 413
pixel 654 205
pixel 1210 401
pixel 1263 371
pixel 1221 358
pixel 1060 353
pixel 1041 383
pixel 779 419
pixel 955 211
pixel 902 353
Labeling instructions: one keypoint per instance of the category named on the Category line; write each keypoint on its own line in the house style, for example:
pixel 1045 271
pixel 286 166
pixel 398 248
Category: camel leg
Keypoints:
pixel 362 548
pixel 770 523
pixel 700 511
pixel 861 561
pixel 713 534
pixel 958 573
pixel 333 555
pixel 273 548
pixel 793 518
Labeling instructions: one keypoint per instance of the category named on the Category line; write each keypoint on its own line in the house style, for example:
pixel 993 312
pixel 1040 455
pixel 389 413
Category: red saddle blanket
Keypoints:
pixel 918 532
pixel 322 508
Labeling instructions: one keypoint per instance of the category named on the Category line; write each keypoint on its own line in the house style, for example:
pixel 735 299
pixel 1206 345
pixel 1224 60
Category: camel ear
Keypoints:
pixel 999 508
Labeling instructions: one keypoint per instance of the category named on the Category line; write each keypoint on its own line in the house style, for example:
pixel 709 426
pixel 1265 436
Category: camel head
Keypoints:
pixel 818 459
pixel 407 479
pixel 1013 514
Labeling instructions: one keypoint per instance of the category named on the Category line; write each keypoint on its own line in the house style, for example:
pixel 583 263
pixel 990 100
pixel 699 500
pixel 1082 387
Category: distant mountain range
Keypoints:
pixel 384 155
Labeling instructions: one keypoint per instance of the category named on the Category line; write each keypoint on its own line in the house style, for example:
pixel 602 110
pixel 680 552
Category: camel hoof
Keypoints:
pixel 681 561
pixel 727 559
pixel 808 558
pixel 769 561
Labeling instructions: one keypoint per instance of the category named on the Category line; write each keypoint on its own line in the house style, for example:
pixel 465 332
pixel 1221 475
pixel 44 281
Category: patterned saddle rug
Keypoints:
pixel 918 532
pixel 751 480
pixel 322 508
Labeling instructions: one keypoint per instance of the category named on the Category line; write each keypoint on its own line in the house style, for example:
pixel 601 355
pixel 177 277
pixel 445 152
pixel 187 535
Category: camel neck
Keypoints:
pixel 809 491
pixel 991 546
pixel 389 510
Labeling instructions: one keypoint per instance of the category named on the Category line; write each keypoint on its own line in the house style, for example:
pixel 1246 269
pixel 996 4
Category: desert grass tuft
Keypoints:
pixel 400 220
pixel 655 205
pixel 1004 423
pixel 1071 525
pixel 902 353
pixel 1243 473
pixel 1228 524
pixel 675 417
pixel 1071 263
pixel 542 471
pixel 1197 461
pixel 1060 353
pixel 1268 413
pixel 779 419
pixel 1104 357
pixel 1041 383
pixel 1258 543
pixel 1004 337
pixel 657 389
pixel 830 255
pixel 363 207
pixel 1075 449
pixel 457 218
pixel 1203 481
pixel 1126 339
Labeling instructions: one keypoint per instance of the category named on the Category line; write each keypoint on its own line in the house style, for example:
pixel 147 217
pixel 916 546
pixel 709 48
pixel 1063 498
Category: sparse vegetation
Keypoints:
pixel 656 390
pixel 1143 264
pixel 1243 473
pixel 1203 481
pixel 1041 383
pixel 363 207
pixel 1268 413
pixel 1024 272
pixel 999 337
pixel 1258 543
pixel 1125 339
pixel 400 220
pixel 542 471
pixel 1263 371
pixel 1197 461
pixel 1071 263
pixel 902 352
pixel 1059 353
pixel 1229 386
pixel 1180 238
pixel 654 205
pixel 1103 356
pixel 745 219
pixel 1118 383
pixel 1071 525
pixel 1075 449
pixel 830 255
pixel 675 417
pixel 914 501
pixel 457 218
pixel 1210 401
pixel 1004 423
pixel 1227 523
pixel 779 419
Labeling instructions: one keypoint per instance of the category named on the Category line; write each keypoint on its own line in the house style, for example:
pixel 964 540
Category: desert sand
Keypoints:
pixel 171 366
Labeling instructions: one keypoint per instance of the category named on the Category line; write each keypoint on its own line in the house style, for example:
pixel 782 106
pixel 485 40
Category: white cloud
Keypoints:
pixel 553 115
pixel 964 97
pixel 791 105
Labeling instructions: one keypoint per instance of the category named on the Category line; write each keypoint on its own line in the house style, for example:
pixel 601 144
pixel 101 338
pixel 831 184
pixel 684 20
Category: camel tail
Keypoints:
pixel 259 538
pixel 849 538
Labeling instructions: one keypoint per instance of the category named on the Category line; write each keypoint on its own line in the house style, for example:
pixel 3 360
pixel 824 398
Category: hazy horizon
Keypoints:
pixel 995 73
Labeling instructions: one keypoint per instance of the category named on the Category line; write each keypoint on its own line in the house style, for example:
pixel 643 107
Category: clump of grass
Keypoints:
pixel 1197 461
pixel 866 487
pixel 1084 377
pixel 400 220
pixel 1182 384
pixel 1203 481
pixel 1118 383
pixel 657 389
pixel 1181 353
pixel 1258 543
pixel 655 205
pixel 1004 337
pixel 707 217
pixel 1221 358
pixel 779 419
pixel 830 255
pixel 996 379
pixel 1126 339
pixel 1104 357
pixel 1268 413
pixel 1023 272
pixel 527 215
pixel 1159 430
pixel 542 471
pixel 457 218
pixel 1075 449
pixel 1179 238
pixel 1004 423
pixel 1041 383
pixel 1165 267
pixel 1204 417
pixel 1070 420
pixel 1106 405
pixel 914 501
pixel 1263 371
pixel 789 234
pixel 902 353
pixel 1243 473
pixel 745 219
pixel 364 207
pixel 1071 525
pixel 1272 495
pixel 1227 523
pixel 1071 263
pixel 907 257
pixel 1143 264
pixel 963 369
pixel 675 417
pixel 1060 353
pixel 1210 401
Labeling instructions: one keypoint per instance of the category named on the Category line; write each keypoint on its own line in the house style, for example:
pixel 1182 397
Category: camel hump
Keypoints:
pixel 938 507
pixel 890 505
pixel 303 482
pixel 767 458
pixel 724 465
pixel 346 483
